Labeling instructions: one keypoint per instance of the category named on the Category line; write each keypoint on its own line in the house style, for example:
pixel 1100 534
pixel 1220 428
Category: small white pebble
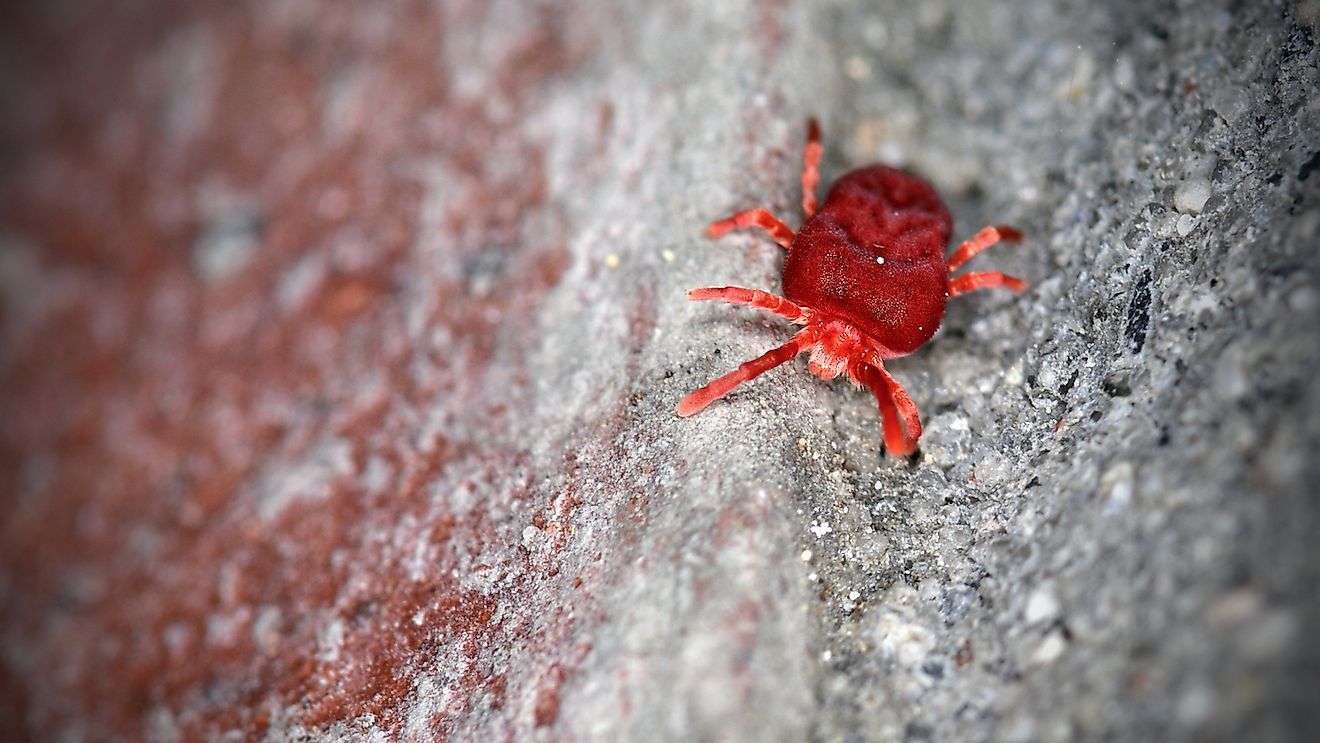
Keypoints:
pixel 1050 648
pixel 853 595
pixel 1186 223
pixel 1191 195
pixel 668 255
pixel 825 656
pixel 806 555
pixel 1013 376
pixel 611 261
pixel 1047 378
pixel 1041 605
pixel 880 259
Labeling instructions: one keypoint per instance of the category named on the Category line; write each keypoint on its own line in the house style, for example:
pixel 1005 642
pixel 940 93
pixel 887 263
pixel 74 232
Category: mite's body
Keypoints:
pixel 866 274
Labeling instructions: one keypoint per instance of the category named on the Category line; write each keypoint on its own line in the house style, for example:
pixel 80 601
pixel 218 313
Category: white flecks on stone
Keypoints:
pixel 300 281
pixel 227 246
pixel 821 530
pixel 266 627
pixel 1013 375
pixel 330 641
pixel 312 477
pixel 880 259
pixel 854 595
pixel 1047 377
pixel 945 438
pixel 1042 605
pixel 994 470
pixel 1190 196
pixel 1049 649
pixel 1185 225
pixel 530 535
pixel 433 696
pixel 421 559
pixel 1116 487
pixel 907 643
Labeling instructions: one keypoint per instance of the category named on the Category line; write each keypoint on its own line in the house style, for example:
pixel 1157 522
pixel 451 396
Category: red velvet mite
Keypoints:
pixel 867 277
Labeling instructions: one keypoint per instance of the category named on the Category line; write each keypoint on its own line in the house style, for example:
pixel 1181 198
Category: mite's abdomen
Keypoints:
pixel 874 255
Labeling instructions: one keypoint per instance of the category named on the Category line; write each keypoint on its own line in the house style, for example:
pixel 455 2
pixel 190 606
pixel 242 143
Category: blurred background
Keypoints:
pixel 340 342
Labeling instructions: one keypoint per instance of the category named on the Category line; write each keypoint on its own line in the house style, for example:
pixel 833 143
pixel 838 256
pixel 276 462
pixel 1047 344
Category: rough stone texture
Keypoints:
pixel 341 343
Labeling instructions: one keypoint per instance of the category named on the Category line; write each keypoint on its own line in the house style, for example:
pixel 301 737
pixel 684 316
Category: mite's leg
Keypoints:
pixel 810 168
pixel 898 414
pixel 752 297
pixel 980 241
pixel 752 369
pixel 755 218
pixel 970 282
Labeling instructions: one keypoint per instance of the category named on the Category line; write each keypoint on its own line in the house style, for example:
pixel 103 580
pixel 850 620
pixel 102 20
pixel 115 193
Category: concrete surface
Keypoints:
pixel 341 344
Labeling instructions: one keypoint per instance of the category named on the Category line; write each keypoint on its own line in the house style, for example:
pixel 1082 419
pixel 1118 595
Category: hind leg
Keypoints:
pixel 980 241
pixel 898 414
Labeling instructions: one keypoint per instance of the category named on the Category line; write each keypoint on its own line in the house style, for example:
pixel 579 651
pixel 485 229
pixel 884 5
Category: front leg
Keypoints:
pixel 980 241
pixel 755 218
pixel 970 282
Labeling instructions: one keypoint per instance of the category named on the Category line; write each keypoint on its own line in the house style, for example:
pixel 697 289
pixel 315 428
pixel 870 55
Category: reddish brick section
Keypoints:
pixel 244 363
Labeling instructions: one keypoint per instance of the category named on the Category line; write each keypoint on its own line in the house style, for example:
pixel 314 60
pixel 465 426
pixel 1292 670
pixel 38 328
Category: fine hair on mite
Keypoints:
pixel 866 276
